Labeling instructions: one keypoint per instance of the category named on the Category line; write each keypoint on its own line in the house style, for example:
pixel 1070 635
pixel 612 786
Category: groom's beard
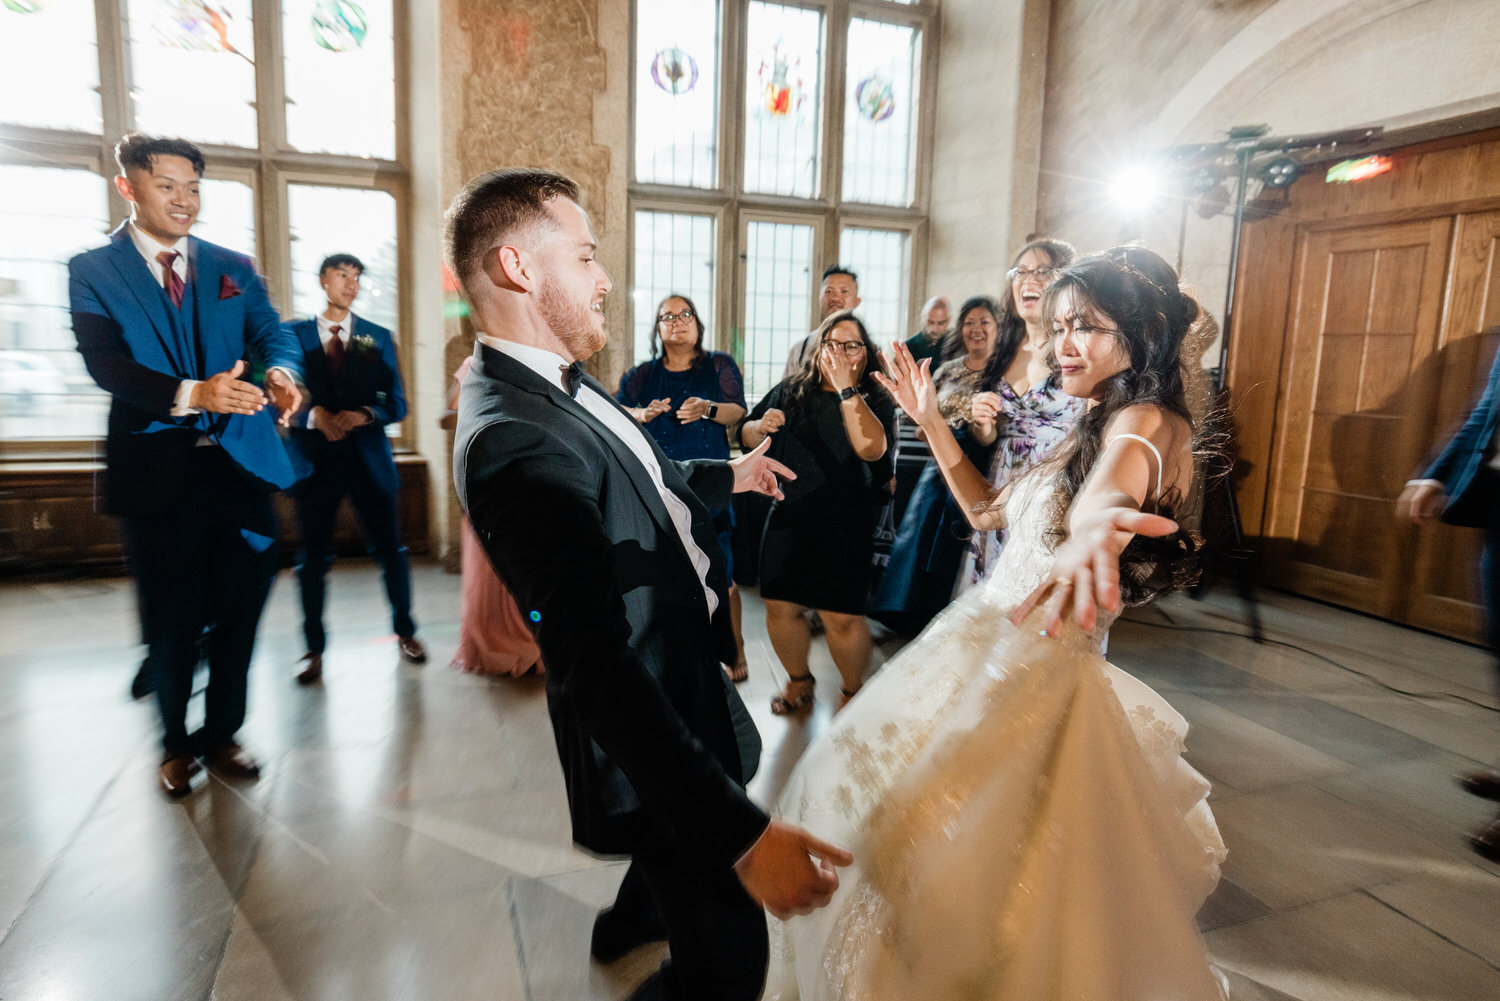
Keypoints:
pixel 577 326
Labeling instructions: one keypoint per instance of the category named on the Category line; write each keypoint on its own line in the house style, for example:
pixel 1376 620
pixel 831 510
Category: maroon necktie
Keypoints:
pixel 170 278
pixel 335 350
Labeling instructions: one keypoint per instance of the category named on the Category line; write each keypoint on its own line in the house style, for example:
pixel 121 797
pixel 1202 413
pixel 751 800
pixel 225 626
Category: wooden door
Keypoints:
pixel 1443 590
pixel 1364 320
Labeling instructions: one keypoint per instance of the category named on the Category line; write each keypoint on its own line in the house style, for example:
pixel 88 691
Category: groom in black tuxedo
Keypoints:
pixel 611 554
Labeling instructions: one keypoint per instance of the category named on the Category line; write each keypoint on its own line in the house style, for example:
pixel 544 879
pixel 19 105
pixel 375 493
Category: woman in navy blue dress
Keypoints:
pixel 686 397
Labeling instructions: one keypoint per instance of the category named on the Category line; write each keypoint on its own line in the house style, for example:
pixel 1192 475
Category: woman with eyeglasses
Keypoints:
pixel 832 425
pixel 686 397
pixel 934 534
pixel 1026 414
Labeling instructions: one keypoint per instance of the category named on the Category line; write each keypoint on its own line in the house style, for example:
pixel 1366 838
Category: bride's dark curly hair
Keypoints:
pixel 1139 293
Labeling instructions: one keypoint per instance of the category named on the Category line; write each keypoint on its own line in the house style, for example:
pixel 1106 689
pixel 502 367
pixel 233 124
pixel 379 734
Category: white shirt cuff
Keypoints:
pixel 184 397
pixel 1425 483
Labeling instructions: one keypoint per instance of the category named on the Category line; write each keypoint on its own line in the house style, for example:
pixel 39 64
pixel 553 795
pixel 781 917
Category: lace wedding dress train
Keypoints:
pixel 1023 824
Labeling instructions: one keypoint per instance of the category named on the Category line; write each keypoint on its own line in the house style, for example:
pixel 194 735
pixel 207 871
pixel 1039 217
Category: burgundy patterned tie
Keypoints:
pixel 170 278
pixel 335 350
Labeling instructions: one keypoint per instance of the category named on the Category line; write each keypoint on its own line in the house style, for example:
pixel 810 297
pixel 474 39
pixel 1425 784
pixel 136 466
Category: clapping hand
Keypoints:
pixel 284 394
pixel 692 409
pixel 780 874
pixel 226 393
pixel 985 410
pixel 755 471
pixel 651 411
pixel 910 384
pixel 1085 574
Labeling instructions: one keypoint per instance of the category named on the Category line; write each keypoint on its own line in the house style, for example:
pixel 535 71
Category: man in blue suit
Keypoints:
pixel 339 448
pixel 1462 486
pixel 175 330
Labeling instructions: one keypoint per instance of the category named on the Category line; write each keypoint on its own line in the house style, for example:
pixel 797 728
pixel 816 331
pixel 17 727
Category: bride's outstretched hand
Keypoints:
pixel 1085 573
pixel 910 383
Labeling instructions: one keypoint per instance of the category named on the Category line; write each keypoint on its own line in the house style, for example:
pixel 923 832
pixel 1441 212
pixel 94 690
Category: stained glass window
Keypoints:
pixel 192 64
pixel 45 392
pixel 880 112
pixel 227 215
pixel 327 220
pixel 674 252
pixel 882 259
pixel 778 300
pixel 677 93
pixel 340 63
pixel 49 64
pixel 783 99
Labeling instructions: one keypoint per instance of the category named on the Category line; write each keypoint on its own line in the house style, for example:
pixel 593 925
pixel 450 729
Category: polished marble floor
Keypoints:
pixel 409 836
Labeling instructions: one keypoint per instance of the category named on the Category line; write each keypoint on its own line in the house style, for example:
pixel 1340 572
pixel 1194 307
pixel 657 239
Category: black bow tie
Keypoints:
pixel 572 377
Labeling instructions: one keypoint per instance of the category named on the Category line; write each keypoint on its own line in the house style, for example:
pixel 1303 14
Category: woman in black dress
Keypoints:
pixel 832 426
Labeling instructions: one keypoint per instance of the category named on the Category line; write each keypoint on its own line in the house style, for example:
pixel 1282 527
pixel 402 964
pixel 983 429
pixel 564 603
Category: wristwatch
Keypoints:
pixel 847 393
pixel 713 411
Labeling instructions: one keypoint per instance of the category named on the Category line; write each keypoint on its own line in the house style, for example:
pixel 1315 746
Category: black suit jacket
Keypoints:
pixel 575 527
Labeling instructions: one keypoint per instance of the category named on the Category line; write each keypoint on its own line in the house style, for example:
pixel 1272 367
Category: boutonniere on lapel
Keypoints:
pixel 363 347
pixel 227 288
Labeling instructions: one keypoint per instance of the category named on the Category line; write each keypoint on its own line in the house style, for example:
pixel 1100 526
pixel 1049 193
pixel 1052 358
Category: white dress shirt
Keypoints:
pixel 550 366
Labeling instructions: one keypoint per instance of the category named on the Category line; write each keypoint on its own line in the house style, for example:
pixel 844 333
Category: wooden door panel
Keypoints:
pixel 1368 302
pixel 1444 579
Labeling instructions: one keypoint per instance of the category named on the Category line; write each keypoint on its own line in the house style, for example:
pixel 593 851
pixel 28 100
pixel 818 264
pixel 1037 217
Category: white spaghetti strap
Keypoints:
pixel 1147 443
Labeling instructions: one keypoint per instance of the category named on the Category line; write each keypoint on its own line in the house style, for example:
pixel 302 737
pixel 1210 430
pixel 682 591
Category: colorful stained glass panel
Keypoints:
pixel 192 65
pixel 880 113
pixel 677 93
pixel 783 100
pixel 340 65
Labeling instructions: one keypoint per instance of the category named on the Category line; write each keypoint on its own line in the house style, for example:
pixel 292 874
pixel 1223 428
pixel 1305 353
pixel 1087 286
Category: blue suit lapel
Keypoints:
pixel 136 276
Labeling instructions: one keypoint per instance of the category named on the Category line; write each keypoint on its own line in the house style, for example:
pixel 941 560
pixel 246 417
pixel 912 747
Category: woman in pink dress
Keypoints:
pixel 492 633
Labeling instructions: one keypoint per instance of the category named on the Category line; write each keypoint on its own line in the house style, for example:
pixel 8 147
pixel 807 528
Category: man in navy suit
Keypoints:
pixel 339 448
pixel 1462 486
pixel 175 330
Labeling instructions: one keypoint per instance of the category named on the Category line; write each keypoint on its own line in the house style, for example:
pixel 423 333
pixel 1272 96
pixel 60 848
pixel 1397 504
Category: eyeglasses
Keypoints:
pixel 684 316
pixel 1040 274
pixel 848 347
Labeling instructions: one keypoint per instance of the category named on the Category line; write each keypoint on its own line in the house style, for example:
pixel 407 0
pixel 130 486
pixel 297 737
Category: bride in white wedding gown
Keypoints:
pixel 1023 824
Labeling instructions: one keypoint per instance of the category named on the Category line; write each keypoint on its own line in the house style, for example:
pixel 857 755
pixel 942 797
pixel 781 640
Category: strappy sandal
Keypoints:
pixel 737 672
pixel 798 693
pixel 848 695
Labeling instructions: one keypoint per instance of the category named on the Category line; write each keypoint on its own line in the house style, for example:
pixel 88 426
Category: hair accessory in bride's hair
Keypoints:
pixel 1120 257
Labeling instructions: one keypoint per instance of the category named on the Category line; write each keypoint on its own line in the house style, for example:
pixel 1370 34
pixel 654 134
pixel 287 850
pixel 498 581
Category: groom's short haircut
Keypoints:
pixel 492 206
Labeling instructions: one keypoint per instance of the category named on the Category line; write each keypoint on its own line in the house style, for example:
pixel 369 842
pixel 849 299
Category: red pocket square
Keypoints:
pixel 227 288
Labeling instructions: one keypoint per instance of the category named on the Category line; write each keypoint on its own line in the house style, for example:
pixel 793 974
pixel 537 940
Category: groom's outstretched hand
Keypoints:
pixel 756 471
pixel 788 871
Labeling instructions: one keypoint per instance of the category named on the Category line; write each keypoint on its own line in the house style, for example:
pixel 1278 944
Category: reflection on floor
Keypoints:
pixel 409 836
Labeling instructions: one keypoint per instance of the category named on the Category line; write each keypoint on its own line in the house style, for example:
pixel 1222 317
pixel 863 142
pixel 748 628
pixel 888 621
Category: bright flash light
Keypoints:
pixel 1136 188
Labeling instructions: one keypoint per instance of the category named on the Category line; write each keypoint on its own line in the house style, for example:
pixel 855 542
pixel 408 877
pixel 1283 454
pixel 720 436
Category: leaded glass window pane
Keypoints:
pixel 674 253
pixel 783 99
pixel 327 220
pixel 340 64
pixel 677 93
pixel 882 259
pixel 192 65
pixel 880 112
pixel 778 300
pixel 54 213
pixel 49 65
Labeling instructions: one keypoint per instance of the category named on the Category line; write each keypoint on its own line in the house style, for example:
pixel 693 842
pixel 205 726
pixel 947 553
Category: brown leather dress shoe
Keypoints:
pixel 1482 783
pixel 313 672
pixel 1486 840
pixel 232 761
pixel 413 650
pixel 176 775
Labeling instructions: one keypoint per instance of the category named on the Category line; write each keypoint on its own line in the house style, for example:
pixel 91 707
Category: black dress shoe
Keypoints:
pixel 313 672
pixel 412 649
pixel 1483 783
pixel 231 761
pixel 142 685
pixel 1486 840
pixel 176 775
pixel 614 936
